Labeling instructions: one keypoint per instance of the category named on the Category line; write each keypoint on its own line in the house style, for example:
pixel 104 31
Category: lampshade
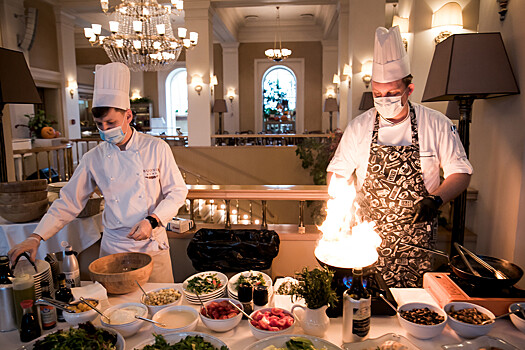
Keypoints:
pixel 16 83
pixel 453 110
pixel 219 106
pixel 330 105
pixel 449 14
pixel 474 65
pixel 402 23
pixel 367 101
pixel 336 79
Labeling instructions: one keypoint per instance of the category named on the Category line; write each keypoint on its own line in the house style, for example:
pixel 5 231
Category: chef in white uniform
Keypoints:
pixel 394 152
pixel 136 173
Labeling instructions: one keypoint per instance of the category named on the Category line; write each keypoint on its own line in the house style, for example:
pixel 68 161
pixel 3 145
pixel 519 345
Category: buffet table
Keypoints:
pixel 80 233
pixel 241 337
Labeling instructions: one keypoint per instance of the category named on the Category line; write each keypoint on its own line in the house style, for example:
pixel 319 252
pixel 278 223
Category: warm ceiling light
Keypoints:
pixel 449 18
pixel 277 54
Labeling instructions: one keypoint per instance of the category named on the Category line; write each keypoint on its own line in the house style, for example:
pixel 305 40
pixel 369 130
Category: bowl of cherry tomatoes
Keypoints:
pixel 221 316
pixel 270 321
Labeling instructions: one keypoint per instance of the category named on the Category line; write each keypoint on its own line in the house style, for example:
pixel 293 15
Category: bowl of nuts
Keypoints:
pixel 422 320
pixel 466 319
pixel 158 299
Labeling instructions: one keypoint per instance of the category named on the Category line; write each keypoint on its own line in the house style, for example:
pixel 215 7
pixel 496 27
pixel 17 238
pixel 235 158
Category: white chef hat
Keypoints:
pixel 390 57
pixel 111 86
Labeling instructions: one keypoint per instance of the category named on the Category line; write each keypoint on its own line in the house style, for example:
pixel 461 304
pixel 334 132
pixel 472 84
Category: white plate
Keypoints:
pixel 121 344
pixel 231 283
pixel 481 342
pixel 372 344
pixel 280 341
pixel 221 276
pixel 173 338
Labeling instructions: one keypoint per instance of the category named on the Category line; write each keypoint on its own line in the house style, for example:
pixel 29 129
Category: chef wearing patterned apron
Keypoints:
pixel 136 173
pixel 394 152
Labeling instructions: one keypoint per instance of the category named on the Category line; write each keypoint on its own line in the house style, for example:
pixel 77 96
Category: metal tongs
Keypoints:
pixel 53 302
pixel 499 274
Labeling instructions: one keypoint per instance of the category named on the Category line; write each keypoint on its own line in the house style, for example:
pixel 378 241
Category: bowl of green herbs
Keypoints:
pixel 183 340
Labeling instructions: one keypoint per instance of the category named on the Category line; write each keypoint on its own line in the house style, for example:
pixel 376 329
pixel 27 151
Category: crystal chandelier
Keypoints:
pixel 277 54
pixel 141 34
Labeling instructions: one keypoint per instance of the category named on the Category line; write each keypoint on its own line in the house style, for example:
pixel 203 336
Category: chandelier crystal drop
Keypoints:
pixel 141 34
pixel 277 54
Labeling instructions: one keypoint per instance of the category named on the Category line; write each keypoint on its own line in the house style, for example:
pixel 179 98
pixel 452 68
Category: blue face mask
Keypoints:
pixel 115 135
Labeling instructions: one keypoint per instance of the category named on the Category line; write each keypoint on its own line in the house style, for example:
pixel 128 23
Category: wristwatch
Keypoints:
pixel 437 199
pixel 154 223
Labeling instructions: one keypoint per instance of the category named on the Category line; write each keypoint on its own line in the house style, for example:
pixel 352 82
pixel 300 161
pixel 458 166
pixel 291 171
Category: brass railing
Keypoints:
pixel 61 152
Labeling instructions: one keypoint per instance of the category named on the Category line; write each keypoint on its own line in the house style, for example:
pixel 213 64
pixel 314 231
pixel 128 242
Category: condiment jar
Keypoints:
pixel 23 289
pixel 29 327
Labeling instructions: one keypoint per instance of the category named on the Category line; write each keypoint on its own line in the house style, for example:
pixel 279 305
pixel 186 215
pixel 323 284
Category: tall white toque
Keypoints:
pixel 391 61
pixel 111 86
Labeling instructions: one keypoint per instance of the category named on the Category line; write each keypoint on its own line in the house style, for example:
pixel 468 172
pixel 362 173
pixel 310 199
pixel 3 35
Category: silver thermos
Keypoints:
pixel 70 267
pixel 7 304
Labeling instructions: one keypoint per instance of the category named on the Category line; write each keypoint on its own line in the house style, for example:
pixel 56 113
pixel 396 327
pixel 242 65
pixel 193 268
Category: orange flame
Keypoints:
pixel 347 241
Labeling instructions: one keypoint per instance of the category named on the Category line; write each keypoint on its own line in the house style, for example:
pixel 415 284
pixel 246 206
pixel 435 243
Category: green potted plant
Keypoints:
pixel 315 288
pixel 39 126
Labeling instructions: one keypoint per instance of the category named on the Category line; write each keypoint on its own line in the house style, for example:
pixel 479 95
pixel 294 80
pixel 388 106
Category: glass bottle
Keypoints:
pixel 356 310
pixel 23 289
pixel 260 295
pixel 29 327
pixel 245 295
pixel 48 313
pixel 62 294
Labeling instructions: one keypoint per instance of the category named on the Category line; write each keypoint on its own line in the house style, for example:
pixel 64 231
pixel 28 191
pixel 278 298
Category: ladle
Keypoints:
pixel 241 310
pixel 94 308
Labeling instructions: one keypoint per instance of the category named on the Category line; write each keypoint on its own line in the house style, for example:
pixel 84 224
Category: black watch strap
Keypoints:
pixel 437 199
pixel 154 223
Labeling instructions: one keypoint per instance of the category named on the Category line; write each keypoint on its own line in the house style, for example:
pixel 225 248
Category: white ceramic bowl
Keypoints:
pixel 125 329
pixel 467 330
pixel 81 317
pixel 261 333
pixel 187 327
pixel 422 331
pixel 518 321
pixel 153 309
pixel 221 325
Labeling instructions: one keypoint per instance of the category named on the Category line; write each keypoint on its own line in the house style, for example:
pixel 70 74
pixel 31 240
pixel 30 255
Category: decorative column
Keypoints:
pixel 344 57
pixel 199 63
pixel 230 66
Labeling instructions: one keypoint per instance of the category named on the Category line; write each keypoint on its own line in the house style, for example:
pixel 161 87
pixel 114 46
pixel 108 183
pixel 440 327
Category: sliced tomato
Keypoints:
pixel 273 329
pixel 257 316
pixel 277 311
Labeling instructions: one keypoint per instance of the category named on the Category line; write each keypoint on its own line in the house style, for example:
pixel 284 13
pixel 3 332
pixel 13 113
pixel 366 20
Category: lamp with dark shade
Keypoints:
pixel 16 86
pixel 330 105
pixel 367 101
pixel 466 67
pixel 220 107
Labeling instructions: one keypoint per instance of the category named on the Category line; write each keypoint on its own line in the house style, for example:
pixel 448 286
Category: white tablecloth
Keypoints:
pixel 81 233
pixel 241 337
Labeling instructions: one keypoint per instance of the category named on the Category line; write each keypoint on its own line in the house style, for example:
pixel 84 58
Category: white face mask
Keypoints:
pixel 389 107
pixel 115 135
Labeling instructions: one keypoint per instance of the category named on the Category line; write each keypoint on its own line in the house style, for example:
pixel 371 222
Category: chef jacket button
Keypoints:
pixel 118 222
pixel 111 178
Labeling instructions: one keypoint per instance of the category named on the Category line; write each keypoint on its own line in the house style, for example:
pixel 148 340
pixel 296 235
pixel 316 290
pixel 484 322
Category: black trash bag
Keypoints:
pixel 233 250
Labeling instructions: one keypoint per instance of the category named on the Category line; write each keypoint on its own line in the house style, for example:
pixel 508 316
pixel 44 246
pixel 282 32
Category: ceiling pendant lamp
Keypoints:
pixel 277 54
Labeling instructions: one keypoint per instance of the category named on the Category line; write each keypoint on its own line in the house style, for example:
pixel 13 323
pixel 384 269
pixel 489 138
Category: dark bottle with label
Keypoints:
pixel 62 294
pixel 356 310
pixel 29 327
pixel 48 313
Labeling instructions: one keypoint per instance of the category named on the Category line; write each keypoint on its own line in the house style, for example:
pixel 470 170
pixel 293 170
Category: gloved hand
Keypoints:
pixel 141 231
pixel 30 245
pixel 426 209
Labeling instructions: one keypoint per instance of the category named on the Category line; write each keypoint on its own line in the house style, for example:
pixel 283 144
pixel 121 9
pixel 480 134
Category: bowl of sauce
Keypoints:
pixel 179 318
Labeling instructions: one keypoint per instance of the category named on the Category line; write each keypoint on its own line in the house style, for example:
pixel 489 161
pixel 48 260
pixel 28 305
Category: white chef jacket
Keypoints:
pixel 140 181
pixel 440 146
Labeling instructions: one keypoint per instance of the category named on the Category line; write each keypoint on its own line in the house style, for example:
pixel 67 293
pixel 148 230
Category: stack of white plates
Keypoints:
pixel 192 298
pixel 233 285
pixel 43 274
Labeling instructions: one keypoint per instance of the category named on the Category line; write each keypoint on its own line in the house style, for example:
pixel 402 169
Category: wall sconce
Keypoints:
pixel 135 94
pixel 336 80
pixel 197 83
pixel 330 92
pixel 403 24
pixel 72 86
pixel 213 82
pixel 366 70
pixel 347 72
pixel 449 18
pixel 231 94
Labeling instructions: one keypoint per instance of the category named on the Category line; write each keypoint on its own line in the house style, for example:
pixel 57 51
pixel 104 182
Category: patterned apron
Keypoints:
pixel 393 183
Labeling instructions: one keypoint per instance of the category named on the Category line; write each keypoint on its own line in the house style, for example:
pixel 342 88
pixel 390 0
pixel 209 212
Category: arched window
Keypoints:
pixel 177 101
pixel 279 87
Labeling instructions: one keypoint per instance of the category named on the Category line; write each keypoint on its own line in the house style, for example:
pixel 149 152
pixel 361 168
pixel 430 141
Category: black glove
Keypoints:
pixel 427 208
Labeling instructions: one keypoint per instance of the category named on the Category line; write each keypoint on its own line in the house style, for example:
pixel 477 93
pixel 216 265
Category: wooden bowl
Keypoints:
pixel 23 212
pixel 118 272
pixel 22 197
pixel 23 186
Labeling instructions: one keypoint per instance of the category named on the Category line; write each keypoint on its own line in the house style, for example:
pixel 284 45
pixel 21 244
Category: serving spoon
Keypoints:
pixel 143 292
pixel 500 316
pixel 241 310
pixel 94 308
pixel 147 319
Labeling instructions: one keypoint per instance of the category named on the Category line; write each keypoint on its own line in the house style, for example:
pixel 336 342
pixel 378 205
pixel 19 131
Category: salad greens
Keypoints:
pixel 253 279
pixel 204 284
pixel 188 343
pixel 296 343
pixel 86 336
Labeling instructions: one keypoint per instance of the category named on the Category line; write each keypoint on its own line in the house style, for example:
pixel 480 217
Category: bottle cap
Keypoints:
pixel 25 304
